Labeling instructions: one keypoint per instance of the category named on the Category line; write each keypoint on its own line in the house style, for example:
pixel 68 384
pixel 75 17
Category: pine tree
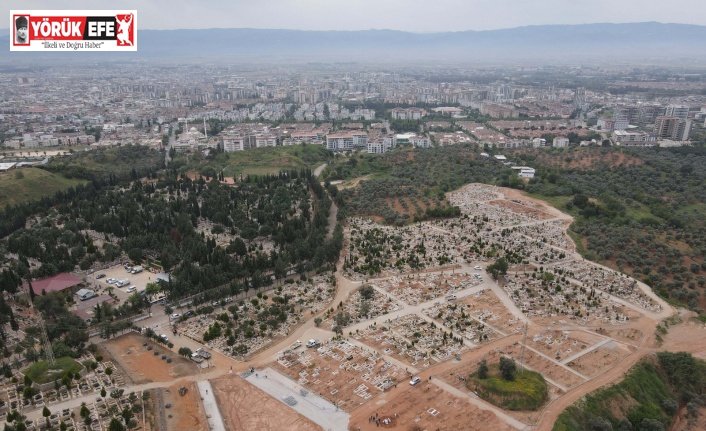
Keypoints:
pixel 32 295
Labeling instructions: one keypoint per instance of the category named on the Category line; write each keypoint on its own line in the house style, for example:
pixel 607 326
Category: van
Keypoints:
pixel 312 343
pixel 122 283
pixel 136 270
pixel 85 294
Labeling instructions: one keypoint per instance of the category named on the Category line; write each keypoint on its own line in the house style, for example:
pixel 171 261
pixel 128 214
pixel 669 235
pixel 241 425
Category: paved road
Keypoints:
pixel 310 405
pixel 210 406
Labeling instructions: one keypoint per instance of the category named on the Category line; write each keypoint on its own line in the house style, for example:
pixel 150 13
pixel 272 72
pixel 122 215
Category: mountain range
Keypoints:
pixel 650 41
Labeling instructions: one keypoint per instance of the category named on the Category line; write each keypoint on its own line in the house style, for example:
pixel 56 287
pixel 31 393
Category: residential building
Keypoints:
pixel 381 145
pixel 419 141
pixel 560 142
pixel 346 140
pixel 679 111
pixel 672 128
pixel 633 138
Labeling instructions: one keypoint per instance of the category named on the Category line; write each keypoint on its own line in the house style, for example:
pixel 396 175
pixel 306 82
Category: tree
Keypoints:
pixel 32 294
pixel 84 411
pixel 103 392
pixel 483 369
pixel 507 368
pixel 46 412
pixel 498 268
pixel 116 425
pixel 185 352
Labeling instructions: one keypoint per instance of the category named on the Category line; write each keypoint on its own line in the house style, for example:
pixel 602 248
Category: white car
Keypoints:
pixel 175 316
pixel 477 267
pixel 111 280
pixel 131 289
pixel 414 381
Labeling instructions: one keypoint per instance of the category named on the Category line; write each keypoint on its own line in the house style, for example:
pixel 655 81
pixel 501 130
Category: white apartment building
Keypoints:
pixel 678 111
pixel 265 140
pixel 560 142
pixel 346 141
pixel 633 138
pixel 382 145
pixel 419 141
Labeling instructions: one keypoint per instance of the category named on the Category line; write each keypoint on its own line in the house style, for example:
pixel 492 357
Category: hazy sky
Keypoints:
pixel 408 15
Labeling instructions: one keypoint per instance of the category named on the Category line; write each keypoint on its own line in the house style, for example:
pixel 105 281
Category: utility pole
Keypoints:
pixel 524 341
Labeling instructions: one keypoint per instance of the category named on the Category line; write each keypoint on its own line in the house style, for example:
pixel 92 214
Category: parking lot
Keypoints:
pixel 118 272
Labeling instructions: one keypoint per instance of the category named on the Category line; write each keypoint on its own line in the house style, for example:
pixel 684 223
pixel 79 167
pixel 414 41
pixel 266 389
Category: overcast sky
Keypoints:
pixel 407 15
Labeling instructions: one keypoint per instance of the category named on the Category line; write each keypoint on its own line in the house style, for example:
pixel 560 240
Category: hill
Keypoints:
pixel 551 43
pixel 647 399
pixel 28 184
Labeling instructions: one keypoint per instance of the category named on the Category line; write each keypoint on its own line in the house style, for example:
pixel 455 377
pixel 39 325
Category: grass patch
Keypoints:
pixel 255 161
pixel 34 184
pixel 558 202
pixel 527 392
pixel 40 372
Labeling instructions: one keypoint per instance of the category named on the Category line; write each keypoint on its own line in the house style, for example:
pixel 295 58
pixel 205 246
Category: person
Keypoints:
pixel 21 34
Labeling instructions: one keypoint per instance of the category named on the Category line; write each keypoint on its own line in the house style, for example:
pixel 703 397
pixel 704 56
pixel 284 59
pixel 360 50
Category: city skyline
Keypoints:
pixel 411 16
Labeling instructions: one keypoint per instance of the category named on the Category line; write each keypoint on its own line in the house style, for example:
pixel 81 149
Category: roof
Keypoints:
pixel 82 292
pixel 57 283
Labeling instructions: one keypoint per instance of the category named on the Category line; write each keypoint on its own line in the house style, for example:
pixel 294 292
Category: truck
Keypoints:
pixel 196 358
pixel 136 270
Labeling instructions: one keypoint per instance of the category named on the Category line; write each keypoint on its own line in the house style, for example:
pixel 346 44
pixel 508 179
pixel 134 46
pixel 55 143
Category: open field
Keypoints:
pixel 426 406
pixel 142 364
pixel 34 184
pixel 256 161
pixel 245 407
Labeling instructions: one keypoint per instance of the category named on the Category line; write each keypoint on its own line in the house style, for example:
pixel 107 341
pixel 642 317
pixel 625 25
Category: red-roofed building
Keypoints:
pixel 58 283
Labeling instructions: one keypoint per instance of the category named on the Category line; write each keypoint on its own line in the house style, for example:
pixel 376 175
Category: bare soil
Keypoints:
pixel 245 407
pixel 142 365
pixel 427 407
pixel 187 412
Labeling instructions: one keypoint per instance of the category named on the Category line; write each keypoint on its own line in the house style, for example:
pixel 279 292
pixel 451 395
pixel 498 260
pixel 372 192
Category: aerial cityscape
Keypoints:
pixel 335 228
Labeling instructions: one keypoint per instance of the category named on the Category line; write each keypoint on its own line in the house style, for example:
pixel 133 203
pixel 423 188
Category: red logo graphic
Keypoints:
pixel 126 30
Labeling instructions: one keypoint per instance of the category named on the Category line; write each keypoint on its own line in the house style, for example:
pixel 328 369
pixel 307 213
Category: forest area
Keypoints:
pixel 640 211
pixel 652 394
pixel 206 234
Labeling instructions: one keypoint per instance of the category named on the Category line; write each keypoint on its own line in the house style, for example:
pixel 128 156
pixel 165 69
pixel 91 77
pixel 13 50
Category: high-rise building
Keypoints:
pixel 672 128
pixel 679 111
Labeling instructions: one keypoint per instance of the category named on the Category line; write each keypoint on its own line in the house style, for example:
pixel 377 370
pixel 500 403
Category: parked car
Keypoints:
pixel 175 316
pixel 297 344
pixel 312 343
pixel 131 289
pixel 477 267
pixel 111 280
pixel 164 337
pixel 99 276
pixel 414 381
pixel 204 354
pixel 189 313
